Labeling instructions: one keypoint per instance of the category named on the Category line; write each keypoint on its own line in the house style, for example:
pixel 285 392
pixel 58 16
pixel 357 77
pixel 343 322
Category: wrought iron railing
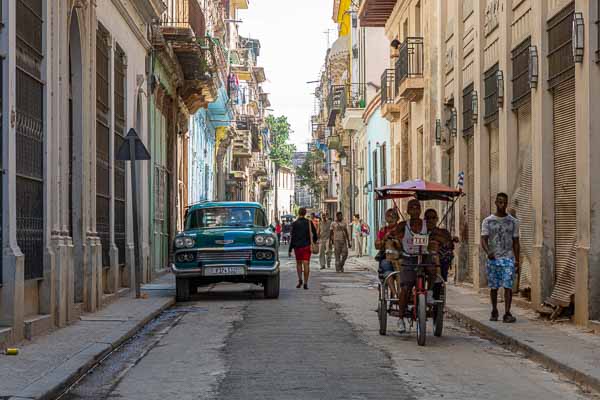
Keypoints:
pixel 410 60
pixel 184 14
pixel 335 97
pixel 353 97
pixel 388 88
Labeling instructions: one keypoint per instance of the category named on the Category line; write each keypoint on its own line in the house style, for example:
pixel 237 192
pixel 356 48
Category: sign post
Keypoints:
pixel 132 150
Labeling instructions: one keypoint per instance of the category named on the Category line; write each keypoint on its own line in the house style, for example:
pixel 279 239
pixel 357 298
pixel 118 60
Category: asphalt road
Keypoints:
pixel 322 343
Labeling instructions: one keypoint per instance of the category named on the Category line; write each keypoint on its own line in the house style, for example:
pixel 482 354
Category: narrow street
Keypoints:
pixel 230 343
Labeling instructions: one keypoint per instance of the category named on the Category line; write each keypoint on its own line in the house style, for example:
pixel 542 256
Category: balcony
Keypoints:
pixel 183 26
pixel 375 13
pixel 334 103
pixel 353 106
pixel 410 83
pixel 390 110
pixel 318 128
pixel 242 141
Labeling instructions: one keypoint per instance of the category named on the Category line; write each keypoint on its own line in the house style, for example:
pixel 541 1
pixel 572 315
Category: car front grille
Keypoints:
pixel 216 256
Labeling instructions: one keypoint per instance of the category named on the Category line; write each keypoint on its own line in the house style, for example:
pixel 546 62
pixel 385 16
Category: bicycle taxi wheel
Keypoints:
pixel 421 319
pixel 438 312
pixel 382 310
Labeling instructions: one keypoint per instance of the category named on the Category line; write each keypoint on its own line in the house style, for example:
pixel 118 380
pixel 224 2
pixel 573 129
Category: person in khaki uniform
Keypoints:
pixel 340 238
pixel 325 248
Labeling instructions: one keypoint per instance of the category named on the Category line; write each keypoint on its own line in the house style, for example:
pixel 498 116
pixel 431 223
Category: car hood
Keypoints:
pixel 227 237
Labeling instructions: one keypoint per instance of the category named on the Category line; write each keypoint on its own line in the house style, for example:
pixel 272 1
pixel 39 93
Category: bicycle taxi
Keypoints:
pixel 428 296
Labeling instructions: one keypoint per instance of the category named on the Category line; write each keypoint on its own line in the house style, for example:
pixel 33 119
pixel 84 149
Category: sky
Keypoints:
pixel 293 42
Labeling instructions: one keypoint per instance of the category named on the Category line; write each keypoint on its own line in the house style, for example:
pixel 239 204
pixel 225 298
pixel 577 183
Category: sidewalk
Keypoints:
pixel 50 363
pixel 560 347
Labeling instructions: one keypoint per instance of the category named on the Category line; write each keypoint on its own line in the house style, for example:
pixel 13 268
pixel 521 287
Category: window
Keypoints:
pixel 520 79
pixel 561 65
pixel 219 217
pixel 467 110
pixel 491 94
pixel 598 31
pixel 119 166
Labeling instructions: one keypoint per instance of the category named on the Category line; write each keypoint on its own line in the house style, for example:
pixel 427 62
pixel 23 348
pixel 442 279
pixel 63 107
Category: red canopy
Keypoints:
pixel 419 189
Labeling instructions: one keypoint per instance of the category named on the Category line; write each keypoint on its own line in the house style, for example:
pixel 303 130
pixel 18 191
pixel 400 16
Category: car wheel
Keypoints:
pixel 272 287
pixel 182 289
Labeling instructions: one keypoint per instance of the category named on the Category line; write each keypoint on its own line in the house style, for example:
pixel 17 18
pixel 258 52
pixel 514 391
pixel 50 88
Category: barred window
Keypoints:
pixel 520 79
pixel 491 94
pixel 467 110
pixel 561 65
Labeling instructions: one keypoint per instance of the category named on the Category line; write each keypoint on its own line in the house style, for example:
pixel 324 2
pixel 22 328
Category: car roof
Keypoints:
pixel 229 204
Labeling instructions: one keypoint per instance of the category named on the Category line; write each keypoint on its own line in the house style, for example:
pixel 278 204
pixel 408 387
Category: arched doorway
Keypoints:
pixel 75 227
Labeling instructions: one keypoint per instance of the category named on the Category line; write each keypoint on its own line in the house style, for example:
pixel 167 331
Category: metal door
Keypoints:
pixel 30 136
pixel 521 199
pixel 494 164
pixel 472 241
pixel 565 193
pixel 119 166
pixel 103 143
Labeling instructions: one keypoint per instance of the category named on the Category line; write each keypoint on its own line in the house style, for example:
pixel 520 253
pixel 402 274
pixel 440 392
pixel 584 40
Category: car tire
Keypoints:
pixel 182 289
pixel 271 286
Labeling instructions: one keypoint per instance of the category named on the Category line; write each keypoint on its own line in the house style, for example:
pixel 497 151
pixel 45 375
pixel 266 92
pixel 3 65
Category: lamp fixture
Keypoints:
pixel 438 132
pixel 453 122
pixel 370 187
pixel 578 38
pixel 474 106
pixel 500 83
pixel 366 189
pixel 533 67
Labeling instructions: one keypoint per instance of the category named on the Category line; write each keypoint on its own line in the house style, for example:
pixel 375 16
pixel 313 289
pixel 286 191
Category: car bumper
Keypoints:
pixel 251 272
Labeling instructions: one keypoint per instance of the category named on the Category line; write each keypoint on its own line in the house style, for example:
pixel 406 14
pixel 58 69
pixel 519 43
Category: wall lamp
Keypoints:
pixel 500 84
pixel 438 132
pixel 578 39
pixel 453 122
pixel 533 67
pixel 474 106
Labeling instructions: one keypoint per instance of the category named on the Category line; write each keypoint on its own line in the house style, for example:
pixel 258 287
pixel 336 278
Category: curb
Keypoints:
pixel 520 346
pixel 55 383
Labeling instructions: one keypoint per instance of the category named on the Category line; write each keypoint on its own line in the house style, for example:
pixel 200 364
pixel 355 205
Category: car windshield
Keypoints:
pixel 219 217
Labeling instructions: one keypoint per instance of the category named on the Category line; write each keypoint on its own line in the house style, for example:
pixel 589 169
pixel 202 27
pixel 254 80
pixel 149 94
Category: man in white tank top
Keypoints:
pixel 410 232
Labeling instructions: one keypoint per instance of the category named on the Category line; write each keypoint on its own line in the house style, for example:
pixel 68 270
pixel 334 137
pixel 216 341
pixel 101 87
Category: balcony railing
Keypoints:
pixel 184 15
pixel 388 88
pixel 410 60
pixel 334 102
pixel 353 97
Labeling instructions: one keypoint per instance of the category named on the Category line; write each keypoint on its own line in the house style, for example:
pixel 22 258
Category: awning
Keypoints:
pixel 375 13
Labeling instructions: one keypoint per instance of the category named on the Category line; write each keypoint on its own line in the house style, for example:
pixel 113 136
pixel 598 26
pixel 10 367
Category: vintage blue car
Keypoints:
pixel 226 242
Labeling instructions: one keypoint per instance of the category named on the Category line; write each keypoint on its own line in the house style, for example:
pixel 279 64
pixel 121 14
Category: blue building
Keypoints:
pixel 202 147
pixel 379 157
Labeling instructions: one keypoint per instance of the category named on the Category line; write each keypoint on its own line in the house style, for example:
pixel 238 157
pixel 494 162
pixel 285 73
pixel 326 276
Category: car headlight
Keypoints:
pixel 268 255
pixel 260 255
pixel 259 240
pixel 189 242
pixel 179 243
pixel 269 240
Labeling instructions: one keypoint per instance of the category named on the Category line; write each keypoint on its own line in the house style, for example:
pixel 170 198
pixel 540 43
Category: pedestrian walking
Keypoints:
pixel 303 234
pixel 357 236
pixel 278 230
pixel 325 248
pixel 340 239
pixel 500 241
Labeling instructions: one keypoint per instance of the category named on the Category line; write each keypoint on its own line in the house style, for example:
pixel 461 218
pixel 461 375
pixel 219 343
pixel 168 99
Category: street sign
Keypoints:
pixel 140 151
pixel 132 150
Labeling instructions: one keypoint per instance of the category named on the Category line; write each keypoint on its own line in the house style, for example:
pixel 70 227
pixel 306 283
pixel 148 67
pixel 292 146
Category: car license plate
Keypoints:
pixel 224 271
pixel 420 240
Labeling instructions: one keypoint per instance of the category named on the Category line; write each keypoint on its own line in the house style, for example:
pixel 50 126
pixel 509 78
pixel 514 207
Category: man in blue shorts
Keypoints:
pixel 500 241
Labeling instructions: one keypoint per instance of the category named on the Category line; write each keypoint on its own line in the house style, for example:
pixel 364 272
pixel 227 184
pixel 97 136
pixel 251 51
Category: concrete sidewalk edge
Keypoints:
pixel 511 343
pixel 520 346
pixel 52 385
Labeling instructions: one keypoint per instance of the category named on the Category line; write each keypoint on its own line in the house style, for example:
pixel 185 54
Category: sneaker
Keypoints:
pixel 494 316
pixel 401 325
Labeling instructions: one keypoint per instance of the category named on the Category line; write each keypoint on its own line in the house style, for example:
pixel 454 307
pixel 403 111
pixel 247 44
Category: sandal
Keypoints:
pixel 508 318
pixel 494 316
pixel 299 285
